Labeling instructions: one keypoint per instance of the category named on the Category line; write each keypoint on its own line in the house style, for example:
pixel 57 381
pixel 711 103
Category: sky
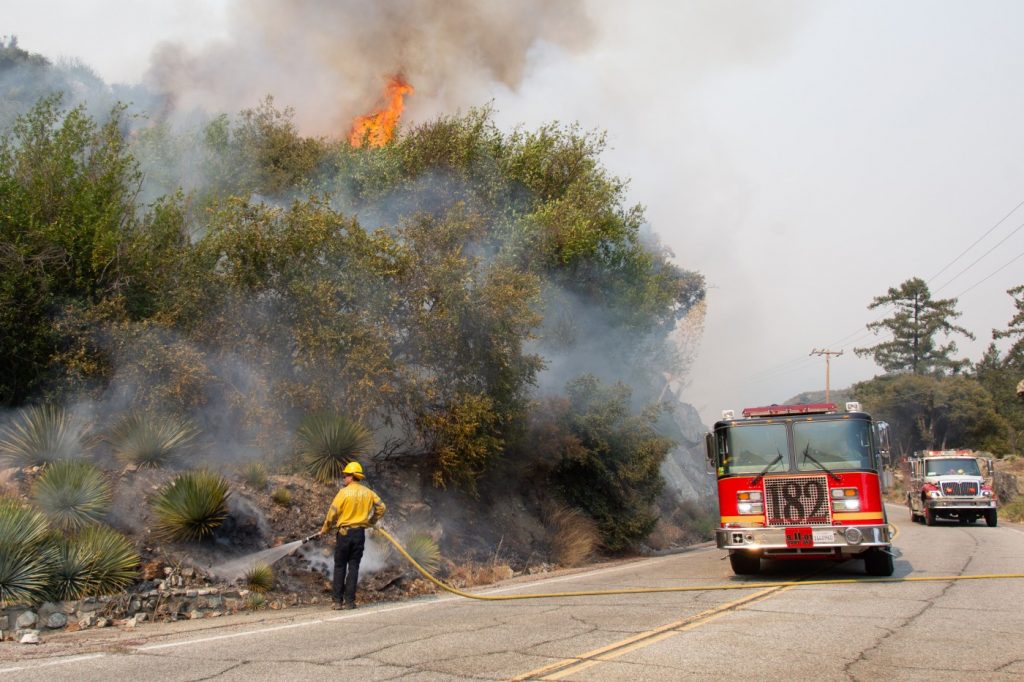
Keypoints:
pixel 803 156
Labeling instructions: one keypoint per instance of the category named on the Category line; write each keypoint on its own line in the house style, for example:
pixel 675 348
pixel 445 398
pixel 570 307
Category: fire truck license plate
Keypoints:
pixel 799 537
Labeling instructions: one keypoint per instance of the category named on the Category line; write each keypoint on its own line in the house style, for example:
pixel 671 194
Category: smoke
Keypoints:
pixel 330 59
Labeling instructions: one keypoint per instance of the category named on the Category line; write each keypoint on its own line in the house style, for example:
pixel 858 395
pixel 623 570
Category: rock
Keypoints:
pixel 140 617
pixel 29 637
pixel 86 620
pixel 4 622
pixel 56 621
pixel 26 620
pixel 102 622
pixel 195 615
pixel 188 572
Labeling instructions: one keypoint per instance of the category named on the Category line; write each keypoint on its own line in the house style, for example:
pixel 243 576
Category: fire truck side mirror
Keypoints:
pixel 710 452
pixel 991 468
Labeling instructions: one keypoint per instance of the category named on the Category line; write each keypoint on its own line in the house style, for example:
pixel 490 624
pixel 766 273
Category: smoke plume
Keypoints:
pixel 331 59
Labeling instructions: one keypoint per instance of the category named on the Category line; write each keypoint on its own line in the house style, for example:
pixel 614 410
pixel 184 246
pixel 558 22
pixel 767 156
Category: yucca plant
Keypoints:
pixel 255 601
pixel 259 577
pixel 254 474
pixel 151 440
pixel 424 551
pixel 72 493
pixel 115 561
pixel 328 442
pixel 39 435
pixel 74 569
pixel 191 506
pixel 26 563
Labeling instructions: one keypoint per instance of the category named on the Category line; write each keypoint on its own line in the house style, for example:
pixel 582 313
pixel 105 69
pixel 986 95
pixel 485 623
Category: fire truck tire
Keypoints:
pixel 744 562
pixel 929 517
pixel 878 563
pixel 991 518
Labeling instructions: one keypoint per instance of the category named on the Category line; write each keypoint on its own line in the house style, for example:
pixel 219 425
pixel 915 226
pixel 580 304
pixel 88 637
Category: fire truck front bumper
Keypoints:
pixel 805 540
pixel 967 504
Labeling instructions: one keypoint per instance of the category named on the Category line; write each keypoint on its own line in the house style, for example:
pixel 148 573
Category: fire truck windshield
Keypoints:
pixel 750 449
pixel 952 467
pixel 832 445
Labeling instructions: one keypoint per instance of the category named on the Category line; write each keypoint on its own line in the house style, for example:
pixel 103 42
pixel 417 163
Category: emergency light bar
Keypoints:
pixel 781 410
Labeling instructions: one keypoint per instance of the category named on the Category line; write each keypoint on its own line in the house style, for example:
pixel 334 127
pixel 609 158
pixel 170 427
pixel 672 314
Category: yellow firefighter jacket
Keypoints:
pixel 355 506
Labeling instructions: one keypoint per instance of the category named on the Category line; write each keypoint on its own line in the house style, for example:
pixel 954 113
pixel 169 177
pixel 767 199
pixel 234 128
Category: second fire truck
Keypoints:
pixel 801 482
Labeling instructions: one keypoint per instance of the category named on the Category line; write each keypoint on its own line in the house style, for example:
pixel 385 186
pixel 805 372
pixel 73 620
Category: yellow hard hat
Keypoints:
pixel 355 469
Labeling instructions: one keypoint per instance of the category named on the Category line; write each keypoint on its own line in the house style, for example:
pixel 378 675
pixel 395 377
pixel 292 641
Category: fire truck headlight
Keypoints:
pixel 853 536
pixel 845 499
pixel 750 508
pixel 986 493
pixel 933 493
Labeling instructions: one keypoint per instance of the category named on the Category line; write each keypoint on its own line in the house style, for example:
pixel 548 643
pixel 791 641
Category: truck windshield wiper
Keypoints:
pixel 808 456
pixel 757 479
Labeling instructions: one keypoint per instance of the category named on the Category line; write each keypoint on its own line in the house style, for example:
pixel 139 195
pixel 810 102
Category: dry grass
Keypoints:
pixel 281 496
pixel 574 536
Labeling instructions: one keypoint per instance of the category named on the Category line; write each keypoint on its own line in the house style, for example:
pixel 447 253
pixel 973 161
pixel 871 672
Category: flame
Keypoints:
pixel 378 128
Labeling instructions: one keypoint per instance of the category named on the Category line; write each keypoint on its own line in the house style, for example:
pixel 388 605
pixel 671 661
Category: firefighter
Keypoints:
pixel 354 508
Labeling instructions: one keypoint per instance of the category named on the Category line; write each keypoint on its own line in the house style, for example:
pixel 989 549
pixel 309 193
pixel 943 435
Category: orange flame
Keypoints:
pixel 378 128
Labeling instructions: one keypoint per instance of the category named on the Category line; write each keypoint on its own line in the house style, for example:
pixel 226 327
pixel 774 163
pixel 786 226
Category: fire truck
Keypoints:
pixel 801 482
pixel 950 484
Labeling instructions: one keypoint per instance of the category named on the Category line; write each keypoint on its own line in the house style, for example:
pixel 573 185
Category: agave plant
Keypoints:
pixel 191 506
pixel 259 577
pixel 72 493
pixel 25 562
pixel 151 440
pixel 281 496
pixel 114 560
pixel 328 442
pixel 39 435
pixel 74 569
pixel 424 551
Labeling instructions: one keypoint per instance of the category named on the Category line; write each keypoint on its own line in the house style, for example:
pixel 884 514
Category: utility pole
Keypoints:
pixel 828 358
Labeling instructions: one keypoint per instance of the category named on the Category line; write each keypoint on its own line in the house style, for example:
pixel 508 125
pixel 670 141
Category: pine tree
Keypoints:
pixel 917 320
pixel 1015 330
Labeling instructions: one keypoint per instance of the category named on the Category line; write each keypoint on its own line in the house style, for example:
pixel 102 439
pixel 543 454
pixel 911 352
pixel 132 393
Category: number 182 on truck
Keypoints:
pixel 801 482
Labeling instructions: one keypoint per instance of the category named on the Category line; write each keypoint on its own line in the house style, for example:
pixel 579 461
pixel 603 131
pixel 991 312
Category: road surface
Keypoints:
pixel 967 629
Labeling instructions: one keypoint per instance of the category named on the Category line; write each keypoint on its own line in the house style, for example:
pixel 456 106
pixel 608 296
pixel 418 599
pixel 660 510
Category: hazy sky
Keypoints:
pixel 803 156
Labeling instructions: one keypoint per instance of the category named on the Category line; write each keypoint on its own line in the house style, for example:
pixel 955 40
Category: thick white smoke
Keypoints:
pixel 330 59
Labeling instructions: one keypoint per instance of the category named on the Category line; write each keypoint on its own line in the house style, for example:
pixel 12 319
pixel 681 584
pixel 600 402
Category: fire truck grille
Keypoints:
pixel 960 488
pixel 798 501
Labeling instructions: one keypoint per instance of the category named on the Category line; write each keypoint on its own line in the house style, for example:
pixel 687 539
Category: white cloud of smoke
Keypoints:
pixel 330 59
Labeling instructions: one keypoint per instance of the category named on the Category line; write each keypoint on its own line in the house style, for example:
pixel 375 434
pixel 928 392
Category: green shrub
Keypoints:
pixel 282 496
pixel 72 493
pixel 151 440
pixel 39 435
pixel 254 474
pixel 26 562
pixel 424 551
pixel 115 561
pixel 328 442
pixel 191 506
pixel 255 601
pixel 1014 511
pixel 74 574
pixel 259 577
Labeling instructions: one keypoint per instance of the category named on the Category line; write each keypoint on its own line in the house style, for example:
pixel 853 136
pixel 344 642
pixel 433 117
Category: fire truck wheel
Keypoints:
pixel 878 563
pixel 991 518
pixel 929 516
pixel 745 563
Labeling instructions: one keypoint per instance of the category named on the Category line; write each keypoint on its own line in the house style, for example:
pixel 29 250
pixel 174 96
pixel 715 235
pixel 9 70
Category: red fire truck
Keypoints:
pixel 801 482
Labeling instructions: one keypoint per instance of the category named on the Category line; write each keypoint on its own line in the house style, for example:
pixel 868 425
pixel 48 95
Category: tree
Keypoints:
pixel 914 325
pixel 999 375
pixel 1015 330
pixel 607 460
pixel 932 412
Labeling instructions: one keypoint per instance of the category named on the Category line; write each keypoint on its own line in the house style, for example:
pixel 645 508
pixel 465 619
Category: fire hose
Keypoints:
pixel 689 588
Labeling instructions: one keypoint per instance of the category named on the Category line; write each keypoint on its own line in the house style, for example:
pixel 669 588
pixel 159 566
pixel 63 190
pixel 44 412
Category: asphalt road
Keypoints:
pixel 965 629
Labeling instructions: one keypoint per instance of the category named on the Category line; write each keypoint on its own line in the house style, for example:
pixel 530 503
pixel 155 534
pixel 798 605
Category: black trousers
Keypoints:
pixel 348 551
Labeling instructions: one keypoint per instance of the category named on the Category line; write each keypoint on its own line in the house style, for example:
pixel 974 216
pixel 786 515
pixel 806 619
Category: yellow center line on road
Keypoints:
pixel 560 669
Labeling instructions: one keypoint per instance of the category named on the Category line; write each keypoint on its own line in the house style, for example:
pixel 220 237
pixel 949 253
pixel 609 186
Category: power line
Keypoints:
pixel 997 245
pixel 976 241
